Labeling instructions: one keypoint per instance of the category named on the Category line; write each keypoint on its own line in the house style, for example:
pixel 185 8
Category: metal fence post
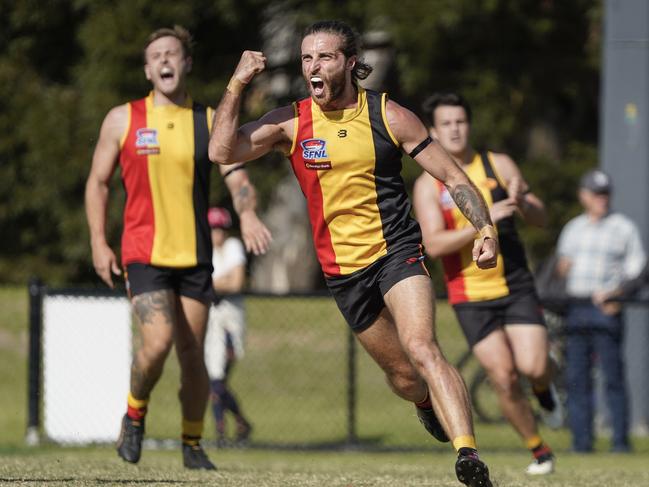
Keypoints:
pixel 35 287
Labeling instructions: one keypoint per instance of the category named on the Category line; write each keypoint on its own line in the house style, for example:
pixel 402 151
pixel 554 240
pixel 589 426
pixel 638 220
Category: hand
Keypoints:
pixel 601 300
pixel 485 252
pixel 105 262
pixel 256 237
pixel 502 209
pixel 250 64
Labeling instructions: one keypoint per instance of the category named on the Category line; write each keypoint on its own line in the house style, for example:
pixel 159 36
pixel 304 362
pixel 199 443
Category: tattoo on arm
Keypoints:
pixel 243 199
pixel 470 203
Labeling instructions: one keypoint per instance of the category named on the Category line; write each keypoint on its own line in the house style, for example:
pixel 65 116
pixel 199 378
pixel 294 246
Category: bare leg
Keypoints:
pixel 497 358
pixel 411 303
pixel 529 344
pixel 189 338
pixel 155 312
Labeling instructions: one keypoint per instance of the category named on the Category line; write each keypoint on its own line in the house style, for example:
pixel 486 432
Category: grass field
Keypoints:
pixel 292 384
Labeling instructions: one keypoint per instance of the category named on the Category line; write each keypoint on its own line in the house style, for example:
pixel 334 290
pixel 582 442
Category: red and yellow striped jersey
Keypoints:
pixel 165 171
pixel 464 280
pixel 348 164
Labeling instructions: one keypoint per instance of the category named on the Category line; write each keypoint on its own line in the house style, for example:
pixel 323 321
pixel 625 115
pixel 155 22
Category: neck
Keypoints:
pixel 179 97
pixel 465 157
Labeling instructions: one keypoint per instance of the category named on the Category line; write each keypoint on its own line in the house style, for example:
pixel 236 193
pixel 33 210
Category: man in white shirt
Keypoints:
pixel 598 250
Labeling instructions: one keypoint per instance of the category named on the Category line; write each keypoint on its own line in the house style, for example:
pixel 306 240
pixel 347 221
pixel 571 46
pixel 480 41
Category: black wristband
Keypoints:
pixel 235 168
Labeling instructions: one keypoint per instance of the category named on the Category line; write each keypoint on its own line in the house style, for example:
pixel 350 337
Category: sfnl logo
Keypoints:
pixel 314 153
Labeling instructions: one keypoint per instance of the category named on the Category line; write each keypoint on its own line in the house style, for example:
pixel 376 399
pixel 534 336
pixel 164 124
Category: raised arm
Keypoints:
pixel 229 143
pixel 104 161
pixel 414 139
pixel 256 236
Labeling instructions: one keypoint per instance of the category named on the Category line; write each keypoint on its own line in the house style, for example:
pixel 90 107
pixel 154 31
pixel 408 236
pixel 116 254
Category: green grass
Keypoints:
pixel 292 383
pixel 244 468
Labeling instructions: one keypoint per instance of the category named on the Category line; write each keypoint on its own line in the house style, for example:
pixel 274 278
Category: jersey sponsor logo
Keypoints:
pixel 317 165
pixel 147 141
pixel 314 149
pixel 446 200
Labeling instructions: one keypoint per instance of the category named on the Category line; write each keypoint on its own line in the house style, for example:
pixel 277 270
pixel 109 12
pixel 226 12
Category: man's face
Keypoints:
pixel 595 204
pixel 166 65
pixel 218 236
pixel 324 67
pixel 451 128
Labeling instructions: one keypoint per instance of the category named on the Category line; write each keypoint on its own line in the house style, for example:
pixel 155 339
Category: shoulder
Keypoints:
pixel 404 124
pixel 426 185
pixel 504 164
pixel 623 221
pixel 116 121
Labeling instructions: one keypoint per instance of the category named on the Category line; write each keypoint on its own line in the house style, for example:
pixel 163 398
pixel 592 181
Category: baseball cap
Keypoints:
pixel 219 218
pixel 596 181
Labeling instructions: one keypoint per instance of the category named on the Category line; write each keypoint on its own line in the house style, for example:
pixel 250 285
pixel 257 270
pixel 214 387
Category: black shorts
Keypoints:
pixel 193 282
pixel 359 295
pixel 479 318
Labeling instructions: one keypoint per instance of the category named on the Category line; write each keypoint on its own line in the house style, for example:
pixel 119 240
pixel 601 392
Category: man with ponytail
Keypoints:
pixel 345 144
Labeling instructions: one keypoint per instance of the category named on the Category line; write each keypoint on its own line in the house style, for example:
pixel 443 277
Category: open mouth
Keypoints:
pixel 317 85
pixel 166 74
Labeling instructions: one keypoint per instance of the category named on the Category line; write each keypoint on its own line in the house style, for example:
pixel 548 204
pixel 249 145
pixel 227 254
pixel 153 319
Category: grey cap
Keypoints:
pixel 596 181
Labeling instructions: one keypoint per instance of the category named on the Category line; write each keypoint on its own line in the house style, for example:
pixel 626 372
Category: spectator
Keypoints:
pixel 598 250
pixel 226 326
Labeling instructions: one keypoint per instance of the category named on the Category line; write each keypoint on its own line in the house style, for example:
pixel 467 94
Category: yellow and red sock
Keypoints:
pixel 136 408
pixel 538 447
pixel 464 441
pixel 192 432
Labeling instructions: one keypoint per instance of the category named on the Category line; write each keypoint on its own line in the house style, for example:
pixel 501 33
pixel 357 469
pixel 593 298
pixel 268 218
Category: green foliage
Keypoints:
pixel 64 64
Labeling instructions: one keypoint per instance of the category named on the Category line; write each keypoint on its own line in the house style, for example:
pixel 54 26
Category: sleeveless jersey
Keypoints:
pixel 464 280
pixel 348 164
pixel 166 174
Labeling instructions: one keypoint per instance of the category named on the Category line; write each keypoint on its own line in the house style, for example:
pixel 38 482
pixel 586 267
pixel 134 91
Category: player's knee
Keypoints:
pixel 157 349
pixel 405 383
pixel 424 353
pixel 505 382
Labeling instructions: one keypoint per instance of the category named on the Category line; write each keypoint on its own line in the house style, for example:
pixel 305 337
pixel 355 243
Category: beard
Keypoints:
pixel 333 90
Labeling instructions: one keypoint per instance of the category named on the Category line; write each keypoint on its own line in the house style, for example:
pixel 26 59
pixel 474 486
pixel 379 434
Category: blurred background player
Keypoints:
pixel 599 251
pixel 160 143
pixel 497 309
pixel 226 327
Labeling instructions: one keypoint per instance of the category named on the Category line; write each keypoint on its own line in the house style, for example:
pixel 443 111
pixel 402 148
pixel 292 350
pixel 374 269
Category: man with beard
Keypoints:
pixel 161 144
pixel 345 146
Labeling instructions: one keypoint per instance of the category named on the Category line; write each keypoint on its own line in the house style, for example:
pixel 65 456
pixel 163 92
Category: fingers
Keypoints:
pixel 485 252
pixel 250 64
pixel 257 241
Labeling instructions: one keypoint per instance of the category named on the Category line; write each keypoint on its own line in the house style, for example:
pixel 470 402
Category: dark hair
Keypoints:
pixel 178 32
pixel 444 99
pixel 350 45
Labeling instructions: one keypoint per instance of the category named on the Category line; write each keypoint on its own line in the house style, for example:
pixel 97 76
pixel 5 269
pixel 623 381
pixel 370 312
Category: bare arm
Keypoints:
pixel 230 143
pixel 410 132
pixel 256 236
pixel 437 239
pixel 104 161
pixel 528 204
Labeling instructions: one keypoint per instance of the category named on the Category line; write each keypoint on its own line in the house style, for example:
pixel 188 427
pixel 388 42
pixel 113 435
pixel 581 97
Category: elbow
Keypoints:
pixel 219 154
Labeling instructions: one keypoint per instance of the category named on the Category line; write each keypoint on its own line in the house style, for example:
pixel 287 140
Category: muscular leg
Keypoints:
pixel 189 338
pixel 496 356
pixel 529 345
pixel 410 302
pixel 155 312
pixel 381 340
